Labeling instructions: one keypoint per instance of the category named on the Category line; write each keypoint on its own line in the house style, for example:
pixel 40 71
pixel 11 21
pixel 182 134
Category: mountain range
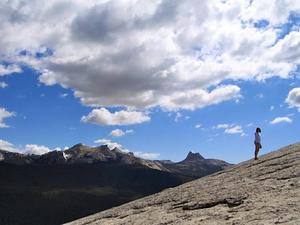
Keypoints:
pixel 194 165
pixel 62 186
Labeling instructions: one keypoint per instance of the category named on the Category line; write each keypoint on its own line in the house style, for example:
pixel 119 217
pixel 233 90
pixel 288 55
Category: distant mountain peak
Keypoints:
pixel 79 145
pixel 103 147
pixel 115 149
pixel 193 156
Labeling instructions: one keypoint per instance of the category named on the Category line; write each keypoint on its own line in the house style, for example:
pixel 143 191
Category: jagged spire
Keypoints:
pixel 194 156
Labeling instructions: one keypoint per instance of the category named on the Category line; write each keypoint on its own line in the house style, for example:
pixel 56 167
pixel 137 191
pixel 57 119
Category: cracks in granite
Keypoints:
pixel 229 202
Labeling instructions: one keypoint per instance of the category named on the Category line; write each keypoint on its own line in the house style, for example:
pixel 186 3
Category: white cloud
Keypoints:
pixel 110 144
pixel 3 115
pixel 193 99
pixel 28 149
pixel 222 126
pixel 99 48
pixel 273 11
pixel 281 120
pixel 178 116
pixel 6 70
pixel 231 128
pixel 272 108
pixel 64 95
pixel 3 85
pixel 234 130
pixel 103 117
pixel 119 132
pixel 250 125
pixel 198 125
pixel 293 98
pixel 36 149
pixel 5 145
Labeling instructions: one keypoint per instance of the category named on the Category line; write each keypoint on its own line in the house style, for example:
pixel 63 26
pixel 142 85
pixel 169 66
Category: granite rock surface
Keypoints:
pixel 263 191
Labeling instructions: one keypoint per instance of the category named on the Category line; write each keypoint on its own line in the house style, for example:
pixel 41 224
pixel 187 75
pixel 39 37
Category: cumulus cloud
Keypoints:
pixel 36 149
pixel 3 85
pixel 5 145
pixel 3 115
pixel 293 98
pixel 104 117
pixel 106 51
pixel 198 126
pixel 284 119
pixel 119 132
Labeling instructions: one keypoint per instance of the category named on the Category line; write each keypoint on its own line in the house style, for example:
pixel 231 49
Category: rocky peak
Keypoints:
pixel 193 156
pixel 77 146
pixel 15 157
pixel 77 149
pixel 103 148
pixel 117 150
pixel 53 157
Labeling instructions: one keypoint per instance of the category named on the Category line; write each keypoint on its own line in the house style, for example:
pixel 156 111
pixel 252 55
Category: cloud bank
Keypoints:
pixel 142 54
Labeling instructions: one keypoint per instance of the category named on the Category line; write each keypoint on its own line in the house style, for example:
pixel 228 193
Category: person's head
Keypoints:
pixel 258 130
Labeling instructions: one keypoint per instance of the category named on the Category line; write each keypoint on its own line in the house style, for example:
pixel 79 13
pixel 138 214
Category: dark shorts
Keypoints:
pixel 257 145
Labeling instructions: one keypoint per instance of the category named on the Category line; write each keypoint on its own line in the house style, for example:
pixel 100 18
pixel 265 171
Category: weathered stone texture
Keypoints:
pixel 264 191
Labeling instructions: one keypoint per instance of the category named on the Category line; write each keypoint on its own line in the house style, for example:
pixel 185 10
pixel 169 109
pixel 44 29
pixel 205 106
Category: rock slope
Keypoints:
pixel 264 191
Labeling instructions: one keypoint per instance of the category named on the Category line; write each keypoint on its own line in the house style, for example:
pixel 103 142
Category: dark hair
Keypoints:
pixel 258 130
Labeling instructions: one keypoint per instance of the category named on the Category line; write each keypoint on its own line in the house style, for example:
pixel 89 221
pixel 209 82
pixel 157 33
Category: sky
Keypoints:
pixel 158 78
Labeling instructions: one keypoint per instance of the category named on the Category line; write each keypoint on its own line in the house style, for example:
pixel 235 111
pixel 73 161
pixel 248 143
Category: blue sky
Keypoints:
pixel 93 73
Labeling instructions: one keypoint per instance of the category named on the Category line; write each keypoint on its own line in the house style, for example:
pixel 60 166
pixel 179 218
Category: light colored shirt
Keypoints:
pixel 257 137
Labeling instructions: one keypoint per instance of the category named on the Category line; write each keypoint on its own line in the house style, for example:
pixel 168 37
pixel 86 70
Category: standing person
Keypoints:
pixel 257 142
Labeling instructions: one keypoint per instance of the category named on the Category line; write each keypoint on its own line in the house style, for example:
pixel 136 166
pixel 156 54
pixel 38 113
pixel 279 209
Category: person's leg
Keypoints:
pixel 256 151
